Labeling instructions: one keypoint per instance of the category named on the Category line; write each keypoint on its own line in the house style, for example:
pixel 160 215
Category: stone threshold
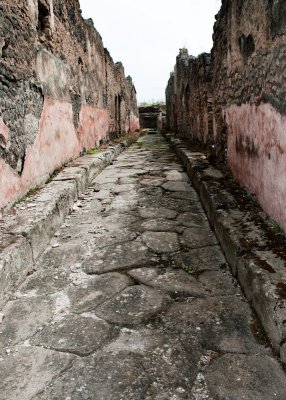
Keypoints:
pixel 26 229
pixel 255 249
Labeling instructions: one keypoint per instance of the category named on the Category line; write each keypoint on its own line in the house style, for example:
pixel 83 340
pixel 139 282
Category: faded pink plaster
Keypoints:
pixel 9 184
pixel 56 143
pixel 4 130
pixel 257 154
pixel 134 123
pixel 94 126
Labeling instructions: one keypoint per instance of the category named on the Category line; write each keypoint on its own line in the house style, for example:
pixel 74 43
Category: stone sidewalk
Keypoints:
pixel 133 299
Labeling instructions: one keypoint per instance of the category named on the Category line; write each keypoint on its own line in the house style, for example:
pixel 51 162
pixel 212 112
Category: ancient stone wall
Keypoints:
pixel 189 97
pixel 248 64
pixel 60 91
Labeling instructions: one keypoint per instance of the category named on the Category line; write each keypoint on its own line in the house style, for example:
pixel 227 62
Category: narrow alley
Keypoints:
pixel 133 299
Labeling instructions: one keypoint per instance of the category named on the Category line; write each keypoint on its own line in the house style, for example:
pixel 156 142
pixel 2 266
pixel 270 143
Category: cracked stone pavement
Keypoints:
pixel 133 299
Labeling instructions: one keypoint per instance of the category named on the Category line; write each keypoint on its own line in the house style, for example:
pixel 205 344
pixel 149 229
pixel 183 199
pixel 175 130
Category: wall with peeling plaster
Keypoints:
pixel 246 100
pixel 60 92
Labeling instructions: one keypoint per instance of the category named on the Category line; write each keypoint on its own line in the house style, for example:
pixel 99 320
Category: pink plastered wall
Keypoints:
pixel 56 143
pixel 93 127
pixel 134 123
pixel 257 154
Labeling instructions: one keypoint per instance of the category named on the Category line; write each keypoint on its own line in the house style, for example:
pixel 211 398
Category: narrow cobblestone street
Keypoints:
pixel 133 299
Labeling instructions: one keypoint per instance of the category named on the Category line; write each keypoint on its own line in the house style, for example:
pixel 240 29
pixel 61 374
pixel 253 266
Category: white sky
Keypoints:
pixel 146 36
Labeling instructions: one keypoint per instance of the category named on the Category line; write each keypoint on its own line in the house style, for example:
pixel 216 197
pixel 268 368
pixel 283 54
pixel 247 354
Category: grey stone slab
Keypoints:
pixel 198 237
pixel 204 259
pixel 177 186
pixel 23 318
pixel 77 334
pixel 159 225
pixel 124 202
pixel 95 205
pixel 173 167
pixel 219 283
pixel 221 324
pixel 156 192
pixel 161 242
pixel 250 377
pixel 175 282
pixel 91 291
pixel 105 177
pixel 128 173
pixel 168 364
pixel 101 376
pixel 92 163
pixel 117 257
pixel 152 181
pixel 179 205
pixel 174 175
pixel 61 256
pixel 187 195
pixel 190 219
pixel 107 186
pixel 108 238
pixel 127 180
pixel 133 305
pixel 211 172
pixel 45 282
pixel 266 290
pixel 78 229
pixel 157 212
pixel 115 220
pixel 25 373
pixel 102 194
pixel 78 174
pixel 16 260
pixel 124 188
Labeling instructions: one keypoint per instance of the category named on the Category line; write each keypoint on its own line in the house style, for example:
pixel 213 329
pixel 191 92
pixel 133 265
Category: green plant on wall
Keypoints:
pixel 94 150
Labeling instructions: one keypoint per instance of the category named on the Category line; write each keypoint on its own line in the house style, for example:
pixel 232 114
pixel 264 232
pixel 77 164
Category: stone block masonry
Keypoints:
pixel 60 92
pixel 235 100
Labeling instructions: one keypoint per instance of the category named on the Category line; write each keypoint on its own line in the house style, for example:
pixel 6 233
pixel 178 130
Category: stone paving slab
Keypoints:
pixel 29 370
pixel 77 334
pixel 133 299
pixel 240 378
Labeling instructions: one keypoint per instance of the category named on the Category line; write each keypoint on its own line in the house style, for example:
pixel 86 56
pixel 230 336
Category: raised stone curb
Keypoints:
pixel 26 229
pixel 256 253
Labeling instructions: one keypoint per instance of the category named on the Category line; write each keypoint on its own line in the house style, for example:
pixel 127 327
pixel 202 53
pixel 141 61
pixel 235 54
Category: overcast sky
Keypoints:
pixel 146 36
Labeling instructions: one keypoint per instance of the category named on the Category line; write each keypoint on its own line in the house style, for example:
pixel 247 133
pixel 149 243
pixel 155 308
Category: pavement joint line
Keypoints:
pixel 258 286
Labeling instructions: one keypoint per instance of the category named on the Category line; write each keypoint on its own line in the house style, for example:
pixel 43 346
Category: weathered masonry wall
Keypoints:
pixel 60 91
pixel 188 97
pixel 247 104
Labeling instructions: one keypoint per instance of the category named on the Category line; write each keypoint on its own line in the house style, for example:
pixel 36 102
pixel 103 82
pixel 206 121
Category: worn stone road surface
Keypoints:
pixel 133 299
